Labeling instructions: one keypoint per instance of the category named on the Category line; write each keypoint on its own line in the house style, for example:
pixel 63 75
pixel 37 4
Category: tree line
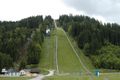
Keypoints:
pixel 99 41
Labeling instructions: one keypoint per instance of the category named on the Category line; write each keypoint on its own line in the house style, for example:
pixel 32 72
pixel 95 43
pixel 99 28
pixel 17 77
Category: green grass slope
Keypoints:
pixel 47 54
pixel 87 62
pixel 67 60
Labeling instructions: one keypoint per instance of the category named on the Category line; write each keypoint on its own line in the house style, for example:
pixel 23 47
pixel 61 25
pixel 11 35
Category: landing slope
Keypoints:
pixel 67 59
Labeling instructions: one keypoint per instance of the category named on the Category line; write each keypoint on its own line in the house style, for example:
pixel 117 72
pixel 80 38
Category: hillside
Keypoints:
pixel 75 48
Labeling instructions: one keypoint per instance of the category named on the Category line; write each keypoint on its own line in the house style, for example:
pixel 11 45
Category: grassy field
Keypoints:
pixel 87 62
pixel 14 78
pixel 67 60
pixel 82 77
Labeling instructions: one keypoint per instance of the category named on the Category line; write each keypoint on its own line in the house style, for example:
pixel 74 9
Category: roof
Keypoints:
pixel 35 70
pixel 26 70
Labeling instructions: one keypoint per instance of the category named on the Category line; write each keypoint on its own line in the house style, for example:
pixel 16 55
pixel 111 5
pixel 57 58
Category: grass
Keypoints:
pixel 14 78
pixel 47 54
pixel 67 78
pixel 67 60
pixel 74 77
pixel 87 62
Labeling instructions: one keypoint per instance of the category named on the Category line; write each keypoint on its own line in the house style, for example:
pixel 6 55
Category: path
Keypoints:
pixel 56 50
pixel 56 56
pixel 41 76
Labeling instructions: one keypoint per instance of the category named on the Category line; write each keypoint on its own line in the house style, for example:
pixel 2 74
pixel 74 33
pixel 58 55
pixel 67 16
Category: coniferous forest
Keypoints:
pixel 98 41
pixel 21 41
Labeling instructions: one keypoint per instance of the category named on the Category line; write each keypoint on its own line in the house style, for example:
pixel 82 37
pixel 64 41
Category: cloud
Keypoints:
pixel 18 9
pixel 109 9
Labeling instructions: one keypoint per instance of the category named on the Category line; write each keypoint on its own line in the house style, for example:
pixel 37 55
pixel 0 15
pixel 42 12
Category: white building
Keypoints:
pixel 48 32
pixel 12 72
pixel 4 70
pixel 24 72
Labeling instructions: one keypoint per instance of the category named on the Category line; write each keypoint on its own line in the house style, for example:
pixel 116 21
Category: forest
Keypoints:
pixel 98 41
pixel 21 41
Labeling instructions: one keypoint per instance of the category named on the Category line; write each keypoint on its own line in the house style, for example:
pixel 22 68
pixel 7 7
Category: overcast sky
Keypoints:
pixel 18 9
pixel 108 10
pixel 104 10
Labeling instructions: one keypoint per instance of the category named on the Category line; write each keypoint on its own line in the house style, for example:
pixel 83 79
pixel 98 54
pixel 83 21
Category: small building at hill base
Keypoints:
pixel 24 72
pixel 11 72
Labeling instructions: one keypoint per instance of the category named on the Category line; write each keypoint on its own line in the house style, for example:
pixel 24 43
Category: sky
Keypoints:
pixel 103 10
pixel 108 10
pixel 18 9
